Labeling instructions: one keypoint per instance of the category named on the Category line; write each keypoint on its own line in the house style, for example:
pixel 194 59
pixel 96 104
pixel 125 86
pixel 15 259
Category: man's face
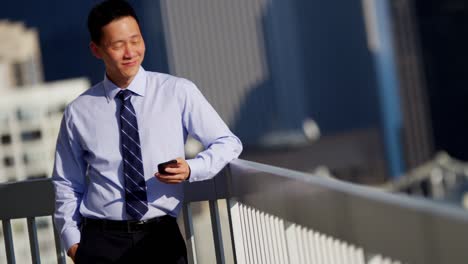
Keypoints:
pixel 122 49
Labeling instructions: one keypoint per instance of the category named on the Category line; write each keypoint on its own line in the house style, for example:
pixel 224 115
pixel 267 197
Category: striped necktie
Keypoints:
pixel 135 185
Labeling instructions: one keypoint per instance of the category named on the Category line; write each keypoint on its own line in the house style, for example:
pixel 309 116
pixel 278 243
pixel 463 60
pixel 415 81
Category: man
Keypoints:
pixel 112 205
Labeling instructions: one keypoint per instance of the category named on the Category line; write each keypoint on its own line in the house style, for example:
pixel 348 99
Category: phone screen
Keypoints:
pixel 162 166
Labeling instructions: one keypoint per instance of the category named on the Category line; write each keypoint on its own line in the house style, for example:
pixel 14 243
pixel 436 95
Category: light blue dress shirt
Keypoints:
pixel 88 160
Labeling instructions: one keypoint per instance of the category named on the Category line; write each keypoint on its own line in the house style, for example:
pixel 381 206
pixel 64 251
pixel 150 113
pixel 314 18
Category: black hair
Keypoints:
pixel 106 12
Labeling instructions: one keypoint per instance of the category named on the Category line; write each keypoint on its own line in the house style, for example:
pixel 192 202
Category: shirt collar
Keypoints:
pixel 138 85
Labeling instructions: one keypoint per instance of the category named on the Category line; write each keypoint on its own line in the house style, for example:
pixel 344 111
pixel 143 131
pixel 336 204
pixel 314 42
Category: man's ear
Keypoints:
pixel 95 50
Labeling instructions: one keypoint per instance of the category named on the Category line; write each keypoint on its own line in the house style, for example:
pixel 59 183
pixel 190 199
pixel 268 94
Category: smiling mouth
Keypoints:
pixel 129 63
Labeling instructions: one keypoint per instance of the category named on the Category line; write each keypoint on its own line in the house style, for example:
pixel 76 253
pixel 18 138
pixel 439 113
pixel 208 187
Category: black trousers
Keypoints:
pixel 157 242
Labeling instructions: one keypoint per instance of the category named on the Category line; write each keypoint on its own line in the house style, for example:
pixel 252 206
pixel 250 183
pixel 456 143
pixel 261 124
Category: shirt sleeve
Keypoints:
pixel 205 125
pixel 68 177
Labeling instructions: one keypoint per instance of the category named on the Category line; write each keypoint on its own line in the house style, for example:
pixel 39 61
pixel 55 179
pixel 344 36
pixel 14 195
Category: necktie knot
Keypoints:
pixel 124 95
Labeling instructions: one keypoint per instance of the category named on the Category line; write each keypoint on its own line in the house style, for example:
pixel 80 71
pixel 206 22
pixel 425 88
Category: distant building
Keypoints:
pixel 20 55
pixel 29 123
pixel 30 115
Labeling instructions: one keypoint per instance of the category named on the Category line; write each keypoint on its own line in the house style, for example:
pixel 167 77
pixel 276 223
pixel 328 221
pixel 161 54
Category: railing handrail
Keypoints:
pixel 366 192
pixel 405 228
pixel 21 199
pixel 409 229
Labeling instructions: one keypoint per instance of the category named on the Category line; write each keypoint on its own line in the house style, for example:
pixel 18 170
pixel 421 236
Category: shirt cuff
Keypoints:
pixel 196 169
pixel 71 236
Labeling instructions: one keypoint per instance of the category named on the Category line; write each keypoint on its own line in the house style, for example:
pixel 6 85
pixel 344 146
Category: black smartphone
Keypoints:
pixel 162 166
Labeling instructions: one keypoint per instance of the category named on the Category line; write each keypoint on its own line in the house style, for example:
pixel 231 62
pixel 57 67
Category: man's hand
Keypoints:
pixel 179 172
pixel 72 251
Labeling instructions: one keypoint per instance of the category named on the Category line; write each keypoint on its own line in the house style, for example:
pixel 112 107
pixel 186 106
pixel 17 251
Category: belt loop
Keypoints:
pixel 129 227
pixel 82 224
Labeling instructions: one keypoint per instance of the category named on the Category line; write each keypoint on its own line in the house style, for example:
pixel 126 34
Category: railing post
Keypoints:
pixel 189 238
pixel 236 231
pixel 216 227
pixel 58 246
pixel 8 237
pixel 33 241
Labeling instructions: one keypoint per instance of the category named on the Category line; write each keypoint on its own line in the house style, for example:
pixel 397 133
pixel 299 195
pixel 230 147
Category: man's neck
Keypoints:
pixel 122 83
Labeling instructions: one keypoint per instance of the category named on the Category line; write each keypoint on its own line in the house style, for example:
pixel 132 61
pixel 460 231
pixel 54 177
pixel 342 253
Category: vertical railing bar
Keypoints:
pixel 245 227
pixel 361 257
pixel 331 248
pixel 299 243
pixel 59 250
pixel 354 254
pixel 236 235
pixel 313 252
pixel 8 238
pixel 337 250
pixel 307 246
pixel 324 248
pixel 216 227
pixel 331 251
pixel 189 237
pixel 340 250
pixel 315 249
pixel 259 232
pixel 274 240
pixel 350 254
pixel 281 243
pixel 279 248
pixel 284 246
pixel 267 256
pixel 303 243
pixel 33 241
pixel 291 242
pixel 267 238
pixel 256 232
pixel 345 256
pixel 357 255
pixel 318 249
pixel 248 235
pixel 229 205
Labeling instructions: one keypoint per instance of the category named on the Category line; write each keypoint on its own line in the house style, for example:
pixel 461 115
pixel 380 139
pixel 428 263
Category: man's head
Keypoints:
pixel 117 40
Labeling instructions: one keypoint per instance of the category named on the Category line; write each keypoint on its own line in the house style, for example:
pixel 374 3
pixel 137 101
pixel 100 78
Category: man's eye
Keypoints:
pixel 117 45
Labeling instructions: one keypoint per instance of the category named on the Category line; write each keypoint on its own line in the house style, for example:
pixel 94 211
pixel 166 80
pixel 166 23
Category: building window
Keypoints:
pixel 30 135
pixel 8 161
pixel 5 139
pixel 37 176
pixel 27 113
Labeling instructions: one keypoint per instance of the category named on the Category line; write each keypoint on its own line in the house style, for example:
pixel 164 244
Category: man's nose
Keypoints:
pixel 129 51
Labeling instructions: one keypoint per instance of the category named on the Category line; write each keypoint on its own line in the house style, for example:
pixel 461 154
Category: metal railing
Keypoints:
pixel 274 215
pixel 27 199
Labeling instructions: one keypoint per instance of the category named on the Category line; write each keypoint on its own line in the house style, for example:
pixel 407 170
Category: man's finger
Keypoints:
pixel 170 177
pixel 173 182
pixel 178 178
pixel 175 170
pixel 170 181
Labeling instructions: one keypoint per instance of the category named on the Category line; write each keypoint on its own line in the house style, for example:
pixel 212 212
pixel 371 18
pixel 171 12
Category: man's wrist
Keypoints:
pixel 189 172
pixel 196 167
